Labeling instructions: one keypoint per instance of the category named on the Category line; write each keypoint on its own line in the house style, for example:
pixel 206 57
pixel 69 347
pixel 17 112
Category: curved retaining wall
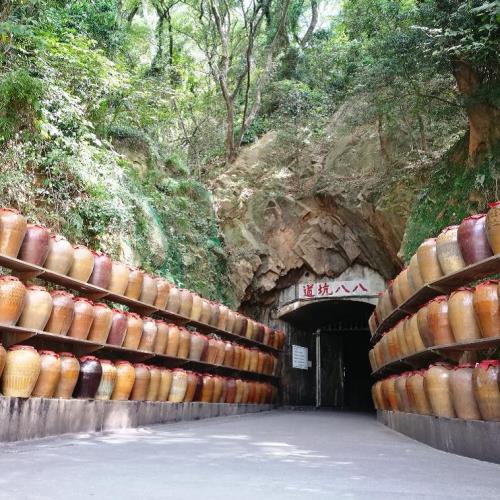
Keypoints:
pixel 471 438
pixel 33 418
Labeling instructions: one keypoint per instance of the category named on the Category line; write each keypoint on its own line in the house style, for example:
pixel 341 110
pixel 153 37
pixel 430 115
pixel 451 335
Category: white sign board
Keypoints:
pixel 299 357
pixel 333 289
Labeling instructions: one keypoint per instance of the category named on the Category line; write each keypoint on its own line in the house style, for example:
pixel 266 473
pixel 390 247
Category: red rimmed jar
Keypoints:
pixel 89 378
pixel 186 298
pixel 163 287
pixel 211 352
pixel 60 255
pixel 149 331
pixel 37 308
pixel 462 392
pixel 83 263
pixel 161 339
pixel 13 227
pixel 165 384
pixel 230 391
pixel 118 328
pixel 141 382
pixel 404 285
pixel 389 393
pixel 217 389
pixel 448 250
pixel 428 262
pixel 119 278
pixel 198 345
pixel 63 310
pixel 423 326
pixel 486 306
pixel 103 318
pixel 101 274
pixel 83 318
pixel 415 278
pixel 70 368
pixel 179 386
pixel 173 340
pixel 134 331
pixel 154 383
pixel 437 388
pixel 493 226
pixel 174 300
pixel 134 286
pixel 149 290
pixel 462 316
pixel 402 398
pixel 108 380
pixel 22 368
pixel 50 372
pixel 439 325
pixel 35 246
pixel 473 240
pixel 229 354
pixel 207 391
pixel 125 378
pixel 192 386
pixel 485 380
pixel 12 297
pixel 416 393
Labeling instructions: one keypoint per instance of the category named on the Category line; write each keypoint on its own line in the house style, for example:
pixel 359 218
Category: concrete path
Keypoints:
pixel 275 455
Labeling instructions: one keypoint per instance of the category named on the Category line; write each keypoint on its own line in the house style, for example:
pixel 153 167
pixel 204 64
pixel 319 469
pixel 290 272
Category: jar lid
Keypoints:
pixel 161 321
pixel 119 311
pixel 463 289
pixel 133 314
pixel 22 347
pixel 83 299
pixel 441 298
pixel 8 277
pixel 66 354
pixel 179 370
pixel 36 287
pixel 62 293
pixel 122 362
pixel 49 353
pixel 140 365
pixel 88 358
pixel 100 304
pixel 486 363
pixel 494 204
pixel 475 217
pixel 106 362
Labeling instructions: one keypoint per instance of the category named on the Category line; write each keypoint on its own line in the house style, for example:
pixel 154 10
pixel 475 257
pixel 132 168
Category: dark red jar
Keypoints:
pixel 35 246
pixel 118 328
pixel 101 275
pixel 473 240
pixel 89 378
pixel 231 390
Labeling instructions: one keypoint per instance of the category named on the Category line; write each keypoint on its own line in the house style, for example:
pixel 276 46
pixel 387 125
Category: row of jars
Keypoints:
pixel 37 245
pixel 31 373
pixel 61 313
pixel 466 391
pixel 466 315
pixel 475 239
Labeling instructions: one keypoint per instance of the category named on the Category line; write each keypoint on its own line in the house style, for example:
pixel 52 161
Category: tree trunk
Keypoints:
pixel 155 65
pixel 484 119
pixel 170 39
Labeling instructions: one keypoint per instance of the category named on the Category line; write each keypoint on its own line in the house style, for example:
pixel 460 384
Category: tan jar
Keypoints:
pixel 119 278
pixel 198 345
pixel 229 355
pixel 108 380
pixel 437 388
pixel 414 333
pixel 402 394
pixel 134 331
pixel 416 393
pixel 461 315
pixel 161 339
pixel 141 383
pixel 249 334
pixel 404 285
pixel 221 352
pixel 206 311
pixel 149 331
pixel 423 326
pixel 63 309
pixel 217 389
pixel 196 308
pixel 214 317
pixel 485 382
pixel 125 379
pixel 165 384
pixel 12 230
pixel 186 298
pixel 70 369
pixel 437 317
pixel 179 386
pixel 211 351
pixel 134 286
pixel 192 385
pixel 223 315
pixel 149 290
pixel 3 357
pixel 12 299
pixel 415 278
pixel 82 265
pixel 207 391
pixel 83 318
pixel 99 330
pixel 448 251
pixel 163 289
pixel 37 308
pixel 60 255
pixel 254 359
pixel 462 393
pixel 154 383
pixel 428 262
pixel 486 306
pixel 493 226
pixel 389 393
pixel 184 342
pixel 22 368
pixel 173 340
pixel 174 300
pixel 50 373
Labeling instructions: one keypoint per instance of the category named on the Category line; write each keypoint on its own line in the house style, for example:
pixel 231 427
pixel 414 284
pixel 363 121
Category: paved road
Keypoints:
pixel 275 455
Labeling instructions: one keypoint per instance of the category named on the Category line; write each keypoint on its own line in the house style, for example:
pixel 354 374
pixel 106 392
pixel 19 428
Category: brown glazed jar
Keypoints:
pixel 119 278
pixel 267 335
pixel 118 328
pixel 229 354
pixel 221 352
pixel 154 383
pixel 174 335
pixel 247 358
pixel 125 378
pixel 281 339
pixel 404 285
pixel 89 378
pixel 423 326
pixel 396 291
pixel 37 308
pixel 83 317
pixel 35 246
pixel 428 262
pixel 416 393
pixel 134 286
pixel 103 318
pixel 493 226
pixel 389 392
pixel 239 391
pixel 461 315
pixel 108 380
pixel 196 309
pixel 83 263
pixel 217 389
pixel 260 362
pixel 149 290
pixel 437 388
pixel 199 387
pixel 207 392
pixel 245 394
pixel 486 390
pixel 149 330
pixel 377 395
pixel 12 299
pixel 165 384
pixel 259 337
pixel 12 231
pixel 197 347
pixel 437 316
pixel 192 385
pixel 60 255
pixel 101 274
pixel 3 357
pixel 462 393
pixel 63 309
pixel 50 372
pixel 486 306
pixel 70 368
pixel 22 368
pixel 393 349
pixel 141 383
pixel 223 315
pixel 240 326
pixel 404 342
pixel 214 317
pixel 206 311
pixel 415 278
pixel 211 352
pixel 231 320
pixel 254 359
pixel 179 386
pixel 416 338
pixel 134 331
pixel 174 300
pixel 186 298
pixel 448 251
pixel 250 332
pixel 184 342
pixel 238 352
pixel 472 239
pixel 163 289
pixel 231 391
pixel 161 339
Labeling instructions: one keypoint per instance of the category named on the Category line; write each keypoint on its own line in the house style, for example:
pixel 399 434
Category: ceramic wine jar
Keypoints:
pixel 192 385
pixel 125 378
pixel 473 240
pixel 211 352
pixel 198 345
pixel 179 386
pixel 173 340
pixel 207 391
pixel 135 281
pixel 423 326
pixel 174 300
pixel 237 355
pixel 118 328
pixel 70 368
pixel 195 314
pixel 161 339
pixel 462 393
pixel 493 226
pixel 230 390
pixel 154 383
pixel 229 355
pixel 186 298
pixel 134 331
pixel 3 357
pixel 35 246
pixel 163 289
pixel 249 334
pixel 22 368
pixel 414 334
pixel 267 335
pixel 63 309
pixel 231 320
pixel 83 317
pixel 60 255
pixel 37 308
pixel 184 342
pixel 12 299
pixel 148 337
pixel 428 262
pixel 377 395
pixel 101 274
pixel 50 372
pixel 89 378
pixel 404 285
pixel 217 389
pixel 165 384
pixel 141 383
pixel 415 278
pixel 486 306
pixel 108 380
pixel 149 290
pixel 389 393
pixel 83 263
pixel 254 359
pixel 119 278
pixel 461 315
pixel 437 388
pixel 437 317
pixel 223 315
pixel 103 318
pixel 247 355
pixel 486 389
pixel 239 391
pixel 214 317
pixel 206 311
pixel 416 393
pixel 12 230
pixel 448 251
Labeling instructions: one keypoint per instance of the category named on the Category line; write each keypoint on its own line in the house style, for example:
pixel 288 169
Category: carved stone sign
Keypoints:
pixel 334 288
